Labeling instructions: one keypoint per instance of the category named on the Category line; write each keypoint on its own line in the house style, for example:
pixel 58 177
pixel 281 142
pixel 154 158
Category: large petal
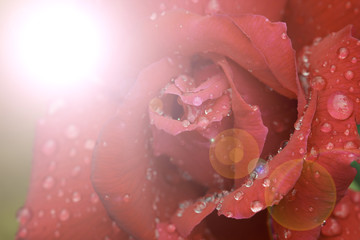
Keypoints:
pixel 308 20
pixel 130 182
pixel 283 172
pixel 61 202
pixel 232 38
pixel 333 73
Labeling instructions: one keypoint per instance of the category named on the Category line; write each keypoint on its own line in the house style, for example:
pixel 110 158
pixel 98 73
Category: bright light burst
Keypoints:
pixel 59 45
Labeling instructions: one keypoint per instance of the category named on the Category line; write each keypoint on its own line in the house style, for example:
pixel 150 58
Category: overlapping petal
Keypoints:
pixel 308 20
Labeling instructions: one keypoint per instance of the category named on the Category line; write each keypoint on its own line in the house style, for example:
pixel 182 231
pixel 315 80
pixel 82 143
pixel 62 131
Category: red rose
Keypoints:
pixel 207 128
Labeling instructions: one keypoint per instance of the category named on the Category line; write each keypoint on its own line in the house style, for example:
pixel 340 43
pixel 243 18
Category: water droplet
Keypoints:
pixel 256 206
pixel 332 68
pixel 349 75
pixel 48 183
pixel 153 16
pixel 23 215
pixel 329 146
pixel 343 53
pixel 262 169
pixel 64 215
pixel 339 106
pixel 341 210
pixel 185 123
pixel 287 234
pixel 326 127
pixel 126 198
pixel 249 183
pixel 238 195
pixel 318 83
pixel 350 145
pixel 317 174
pixel 266 182
pixel 354 60
pixel 300 136
pixel 76 197
pixel 89 144
pixel 22 233
pixel 212 7
pixel 229 214
pixel 197 101
pixel 331 228
pixel 94 198
pixel 284 36
pixel 171 228
pixel 72 132
pixel 199 207
pixel 49 147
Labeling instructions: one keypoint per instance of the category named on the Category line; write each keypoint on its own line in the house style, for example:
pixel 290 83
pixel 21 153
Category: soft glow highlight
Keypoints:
pixel 59 44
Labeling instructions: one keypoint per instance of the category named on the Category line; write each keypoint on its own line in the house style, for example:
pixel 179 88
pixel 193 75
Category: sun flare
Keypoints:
pixel 59 45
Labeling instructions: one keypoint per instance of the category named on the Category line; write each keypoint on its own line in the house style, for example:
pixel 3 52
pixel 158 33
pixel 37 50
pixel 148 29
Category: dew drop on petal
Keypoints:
pixel 94 198
pixel 197 101
pixel 126 198
pixel 287 234
pixel 350 145
pixel 339 106
pixel 318 83
pixel 343 53
pixel 262 169
pixel 64 215
pixel 238 195
pixel 256 206
pixel 326 127
pixel 329 146
pixel 76 197
pixel 186 123
pixel 171 228
pixel 341 210
pixel 22 233
pixel 331 228
pixel 349 75
pixel 48 183
pixel 266 182
pixel 23 215
pixel 332 68
pixel 89 144
pixel 49 147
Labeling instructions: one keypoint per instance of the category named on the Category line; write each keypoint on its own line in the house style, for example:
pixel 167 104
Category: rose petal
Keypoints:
pixel 246 117
pixel 282 233
pixel 190 214
pixel 265 192
pixel 232 38
pixel 334 140
pixel 307 20
pixel 123 163
pixel 61 202
pixel 345 220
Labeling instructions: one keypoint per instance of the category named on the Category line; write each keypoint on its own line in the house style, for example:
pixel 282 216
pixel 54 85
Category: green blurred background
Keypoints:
pixel 20 107
pixel 17 121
